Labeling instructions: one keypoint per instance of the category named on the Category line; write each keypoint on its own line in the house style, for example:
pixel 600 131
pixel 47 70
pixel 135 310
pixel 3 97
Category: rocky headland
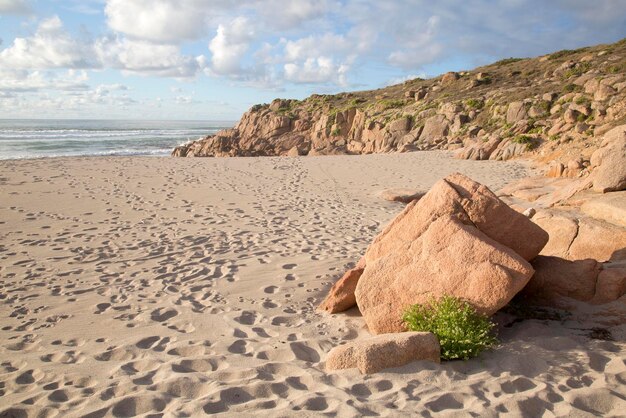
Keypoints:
pixel 553 108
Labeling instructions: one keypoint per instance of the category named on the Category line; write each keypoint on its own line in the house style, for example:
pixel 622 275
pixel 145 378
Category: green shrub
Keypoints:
pixel 565 53
pixel 582 100
pixel 386 104
pixel 569 88
pixel 462 332
pixel 529 141
pixel 474 103
pixel 578 70
pixel 357 101
pixel 507 61
pixel 258 107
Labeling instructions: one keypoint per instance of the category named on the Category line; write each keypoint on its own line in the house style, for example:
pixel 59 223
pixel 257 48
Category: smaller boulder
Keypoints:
pixel 401 195
pixel 516 112
pixel 384 351
pixel 556 277
pixel 450 77
pixel 611 284
pixel 341 296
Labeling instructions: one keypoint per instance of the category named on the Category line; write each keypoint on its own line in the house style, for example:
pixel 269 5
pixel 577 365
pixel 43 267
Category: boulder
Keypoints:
pixel 470 202
pixel 341 296
pixel 400 126
pixel 449 257
pixel 384 351
pixel 420 94
pixel 603 92
pixel 449 77
pixel 480 150
pixel 435 127
pixel 609 162
pixel 571 116
pixel 401 195
pixel 584 280
pixel 611 284
pixel 556 277
pixel 516 112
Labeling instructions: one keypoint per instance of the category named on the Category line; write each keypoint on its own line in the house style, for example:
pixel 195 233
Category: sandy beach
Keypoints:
pixel 184 287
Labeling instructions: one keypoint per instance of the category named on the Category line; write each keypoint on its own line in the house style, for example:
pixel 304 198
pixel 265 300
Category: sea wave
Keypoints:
pixel 42 139
pixel 111 153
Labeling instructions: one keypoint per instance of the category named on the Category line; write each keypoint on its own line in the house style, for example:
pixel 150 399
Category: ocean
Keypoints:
pixel 40 138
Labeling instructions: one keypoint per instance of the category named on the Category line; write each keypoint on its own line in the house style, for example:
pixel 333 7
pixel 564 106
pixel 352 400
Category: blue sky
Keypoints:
pixel 213 59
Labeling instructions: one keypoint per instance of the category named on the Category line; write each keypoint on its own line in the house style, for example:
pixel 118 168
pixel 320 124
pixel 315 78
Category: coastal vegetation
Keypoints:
pixel 462 333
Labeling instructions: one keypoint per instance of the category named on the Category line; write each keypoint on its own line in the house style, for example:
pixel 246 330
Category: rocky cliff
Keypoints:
pixel 552 106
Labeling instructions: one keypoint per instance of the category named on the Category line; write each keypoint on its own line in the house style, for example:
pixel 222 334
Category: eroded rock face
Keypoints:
pixel 384 351
pixel 448 258
pixel 578 238
pixel 609 162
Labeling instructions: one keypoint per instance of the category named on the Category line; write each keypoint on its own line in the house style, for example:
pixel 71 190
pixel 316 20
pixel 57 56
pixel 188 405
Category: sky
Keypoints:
pixel 213 59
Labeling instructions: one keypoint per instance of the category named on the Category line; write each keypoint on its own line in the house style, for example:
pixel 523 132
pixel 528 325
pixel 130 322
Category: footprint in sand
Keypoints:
pixel 247 318
pixel 270 289
pixel 147 342
pixel 163 314
pixel 101 307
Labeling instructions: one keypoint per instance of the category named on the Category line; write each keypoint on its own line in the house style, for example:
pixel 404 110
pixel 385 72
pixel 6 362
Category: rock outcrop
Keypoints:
pixel 577 237
pixel 384 351
pixel 609 162
pixel 553 107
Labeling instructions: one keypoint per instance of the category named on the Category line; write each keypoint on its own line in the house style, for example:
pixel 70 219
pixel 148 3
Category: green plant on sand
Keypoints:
pixel 462 332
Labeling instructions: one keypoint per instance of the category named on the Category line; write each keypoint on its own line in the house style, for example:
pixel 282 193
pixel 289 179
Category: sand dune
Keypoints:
pixel 183 287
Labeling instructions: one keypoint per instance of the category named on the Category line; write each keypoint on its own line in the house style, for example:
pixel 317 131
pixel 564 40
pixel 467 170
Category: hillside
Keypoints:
pixel 553 107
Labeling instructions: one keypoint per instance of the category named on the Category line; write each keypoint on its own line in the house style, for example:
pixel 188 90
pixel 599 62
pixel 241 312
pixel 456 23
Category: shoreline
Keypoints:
pixel 150 285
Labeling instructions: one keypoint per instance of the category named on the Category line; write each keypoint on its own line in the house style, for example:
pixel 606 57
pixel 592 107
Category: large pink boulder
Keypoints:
pixel 449 257
pixel 471 203
pixel 383 351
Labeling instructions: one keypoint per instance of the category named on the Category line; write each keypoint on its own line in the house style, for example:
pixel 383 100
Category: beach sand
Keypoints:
pixel 184 287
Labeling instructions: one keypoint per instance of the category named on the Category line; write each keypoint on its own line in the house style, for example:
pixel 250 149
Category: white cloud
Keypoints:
pixel 14 7
pixel 146 58
pixel 419 48
pixel 159 20
pixel 230 45
pixel 33 81
pixel 290 14
pixel 315 46
pixel 50 47
pixel 320 70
